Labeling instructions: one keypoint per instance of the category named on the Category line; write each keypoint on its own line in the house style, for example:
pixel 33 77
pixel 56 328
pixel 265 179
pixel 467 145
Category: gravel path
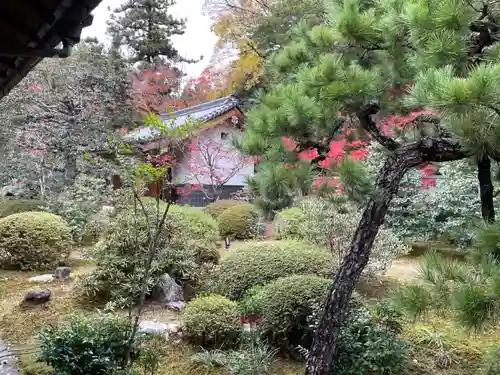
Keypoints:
pixel 404 269
pixel 8 364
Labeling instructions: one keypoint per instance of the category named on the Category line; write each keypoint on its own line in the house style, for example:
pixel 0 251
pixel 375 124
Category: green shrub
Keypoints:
pixel 491 365
pixel 257 263
pixel 33 241
pixel 205 252
pixel 16 206
pixel 79 201
pixel 284 305
pixel 187 239
pixel 85 345
pixel 212 320
pixel 253 357
pixel 241 222
pixel 197 223
pixel 366 346
pixel 287 223
pixel 332 225
pixel 218 207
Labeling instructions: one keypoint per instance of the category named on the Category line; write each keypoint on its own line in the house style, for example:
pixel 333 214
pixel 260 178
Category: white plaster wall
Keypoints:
pixel 182 174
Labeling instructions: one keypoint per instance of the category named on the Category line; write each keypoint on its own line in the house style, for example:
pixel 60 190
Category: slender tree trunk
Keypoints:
pixel 324 346
pixel 485 188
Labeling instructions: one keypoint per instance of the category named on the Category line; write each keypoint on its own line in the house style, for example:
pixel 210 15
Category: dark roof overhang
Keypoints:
pixel 32 29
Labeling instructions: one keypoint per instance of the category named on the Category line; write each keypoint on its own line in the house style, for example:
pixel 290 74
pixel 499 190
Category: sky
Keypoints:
pixel 198 40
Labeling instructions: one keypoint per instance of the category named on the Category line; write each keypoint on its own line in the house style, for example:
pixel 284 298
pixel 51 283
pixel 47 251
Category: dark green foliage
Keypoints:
pixel 284 306
pixel 15 206
pixel 488 240
pixel 146 28
pixel 366 346
pixel 212 320
pixel 414 299
pixel 276 186
pixel 257 263
pixel 85 345
pixel 240 222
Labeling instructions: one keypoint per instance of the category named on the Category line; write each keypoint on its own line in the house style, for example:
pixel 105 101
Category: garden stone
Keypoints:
pixel 167 290
pixel 149 326
pixel 62 273
pixel 37 298
pixel 42 278
pixel 176 305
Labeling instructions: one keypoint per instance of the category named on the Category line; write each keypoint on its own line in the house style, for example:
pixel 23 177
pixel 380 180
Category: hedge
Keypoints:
pixel 257 263
pixel 218 207
pixel 240 222
pixel 284 306
pixel 212 320
pixel 34 241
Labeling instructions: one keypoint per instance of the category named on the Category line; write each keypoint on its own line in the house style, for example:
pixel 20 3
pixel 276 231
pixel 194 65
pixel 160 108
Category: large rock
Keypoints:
pixel 62 273
pixel 42 278
pixel 168 291
pixel 171 331
pixel 16 189
pixel 149 326
pixel 37 298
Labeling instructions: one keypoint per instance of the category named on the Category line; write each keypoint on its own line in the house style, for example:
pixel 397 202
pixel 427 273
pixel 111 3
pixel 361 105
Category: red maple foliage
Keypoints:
pixel 154 89
pixel 342 147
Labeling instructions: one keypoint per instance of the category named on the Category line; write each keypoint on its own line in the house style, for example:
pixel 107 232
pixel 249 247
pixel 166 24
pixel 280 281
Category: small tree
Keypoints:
pixel 213 162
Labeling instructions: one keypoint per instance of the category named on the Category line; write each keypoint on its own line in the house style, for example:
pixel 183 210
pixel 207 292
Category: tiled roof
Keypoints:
pixel 202 112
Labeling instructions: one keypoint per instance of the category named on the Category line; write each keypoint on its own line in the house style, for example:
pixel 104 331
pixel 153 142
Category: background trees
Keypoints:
pixel 60 116
pixel 145 28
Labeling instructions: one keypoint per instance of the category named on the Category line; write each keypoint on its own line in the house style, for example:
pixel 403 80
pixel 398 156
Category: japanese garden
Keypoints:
pixel 323 202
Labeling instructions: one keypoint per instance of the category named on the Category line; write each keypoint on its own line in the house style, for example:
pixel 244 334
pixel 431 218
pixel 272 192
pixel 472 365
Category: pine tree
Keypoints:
pixel 438 60
pixel 145 27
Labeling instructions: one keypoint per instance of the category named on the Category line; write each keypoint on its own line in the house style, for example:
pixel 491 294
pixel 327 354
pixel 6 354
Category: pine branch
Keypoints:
pixel 367 123
pixel 440 150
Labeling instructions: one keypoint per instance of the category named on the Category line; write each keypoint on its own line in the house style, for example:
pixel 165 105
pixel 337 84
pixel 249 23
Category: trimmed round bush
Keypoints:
pixel 285 305
pixel 33 241
pixel 218 207
pixel 257 263
pixel 212 320
pixel 199 224
pixel 16 206
pixel 287 223
pixel 240 222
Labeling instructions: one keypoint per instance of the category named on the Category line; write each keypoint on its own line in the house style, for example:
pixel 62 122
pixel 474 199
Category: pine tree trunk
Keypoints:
pixel 485 188
pixel 324 346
